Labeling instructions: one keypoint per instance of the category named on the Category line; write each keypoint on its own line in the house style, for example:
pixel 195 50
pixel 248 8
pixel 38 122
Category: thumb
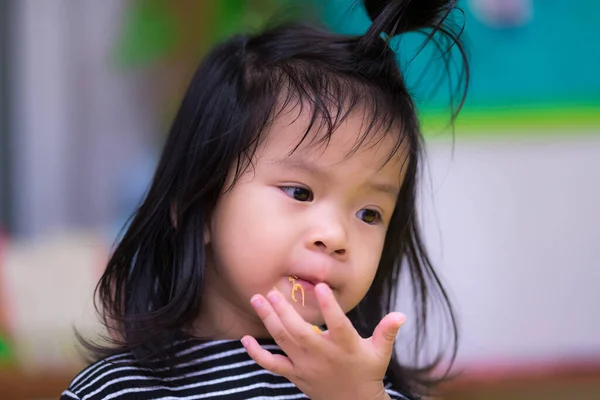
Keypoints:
pixel 385 333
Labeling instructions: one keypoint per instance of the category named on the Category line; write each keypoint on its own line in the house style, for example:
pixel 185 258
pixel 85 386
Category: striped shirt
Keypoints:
pixel 215 369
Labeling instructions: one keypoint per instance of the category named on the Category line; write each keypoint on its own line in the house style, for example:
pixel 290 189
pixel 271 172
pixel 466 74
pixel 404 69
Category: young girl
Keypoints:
pixel 265 259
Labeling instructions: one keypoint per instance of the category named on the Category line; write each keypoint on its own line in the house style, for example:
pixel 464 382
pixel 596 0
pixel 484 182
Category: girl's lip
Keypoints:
pixel 307 285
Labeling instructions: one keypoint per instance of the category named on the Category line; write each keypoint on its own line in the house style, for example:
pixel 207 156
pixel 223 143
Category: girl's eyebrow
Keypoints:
pixel 300 164
pixel 303 165
pixel 391 190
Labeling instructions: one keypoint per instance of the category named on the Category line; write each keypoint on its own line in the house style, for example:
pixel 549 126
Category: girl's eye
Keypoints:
pixel 371 217
pixel 298 193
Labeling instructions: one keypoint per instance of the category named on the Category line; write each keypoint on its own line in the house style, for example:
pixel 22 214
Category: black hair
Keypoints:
pixel 151 290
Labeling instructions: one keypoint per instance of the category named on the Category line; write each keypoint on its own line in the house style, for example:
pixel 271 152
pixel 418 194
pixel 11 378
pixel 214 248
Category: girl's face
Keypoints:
pixel 317 214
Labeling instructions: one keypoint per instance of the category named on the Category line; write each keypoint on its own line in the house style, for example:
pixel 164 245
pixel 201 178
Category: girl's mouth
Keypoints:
pixel 306 284
pixel 299 286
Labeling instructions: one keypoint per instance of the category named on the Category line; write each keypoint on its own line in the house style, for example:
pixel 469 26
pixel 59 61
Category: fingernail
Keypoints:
pixel 321 288
pixel 244 341
pixel 400 320
pixel 256 301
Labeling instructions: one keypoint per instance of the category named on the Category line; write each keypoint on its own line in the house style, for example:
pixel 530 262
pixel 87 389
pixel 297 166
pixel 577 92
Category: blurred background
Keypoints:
pixel 510 200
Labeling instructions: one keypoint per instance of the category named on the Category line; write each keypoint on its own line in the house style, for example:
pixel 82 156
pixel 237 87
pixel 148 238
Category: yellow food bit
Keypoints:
pixel 317 329
pixel 296 286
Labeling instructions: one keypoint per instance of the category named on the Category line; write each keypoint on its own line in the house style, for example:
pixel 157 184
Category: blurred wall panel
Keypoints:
pixel 513 227
pixel 41 123
pixel 79 125
pixel 5 220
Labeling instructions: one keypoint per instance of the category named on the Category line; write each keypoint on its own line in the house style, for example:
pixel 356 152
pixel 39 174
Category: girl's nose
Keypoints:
pixel 329 235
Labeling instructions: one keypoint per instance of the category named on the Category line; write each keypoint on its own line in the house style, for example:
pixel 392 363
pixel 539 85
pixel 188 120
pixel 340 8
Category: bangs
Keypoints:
pixel 326 98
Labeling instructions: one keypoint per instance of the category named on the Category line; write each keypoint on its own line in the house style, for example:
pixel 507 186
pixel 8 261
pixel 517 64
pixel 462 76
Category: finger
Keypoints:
pixel 276 363
pixel 273 323
pixel 339 327
pixel 302 332
pixel 385 334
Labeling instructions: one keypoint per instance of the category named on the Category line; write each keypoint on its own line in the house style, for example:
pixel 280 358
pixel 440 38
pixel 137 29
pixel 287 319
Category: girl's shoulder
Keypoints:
pixel 105 378
pixel 193 363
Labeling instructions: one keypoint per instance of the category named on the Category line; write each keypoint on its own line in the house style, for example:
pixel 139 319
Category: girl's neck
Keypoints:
pixel 222 318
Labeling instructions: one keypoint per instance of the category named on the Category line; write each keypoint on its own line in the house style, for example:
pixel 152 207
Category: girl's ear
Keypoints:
pixel 173 215
pixel 207 226
pixel 207 234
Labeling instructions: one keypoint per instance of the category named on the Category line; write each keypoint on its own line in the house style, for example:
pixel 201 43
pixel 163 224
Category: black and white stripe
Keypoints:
pixel 216 369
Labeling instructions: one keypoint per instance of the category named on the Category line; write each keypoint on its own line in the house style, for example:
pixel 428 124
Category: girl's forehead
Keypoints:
pixel 297 135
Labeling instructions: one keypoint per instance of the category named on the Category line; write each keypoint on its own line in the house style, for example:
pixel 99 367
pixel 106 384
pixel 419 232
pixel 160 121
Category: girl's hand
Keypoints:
pixel 337 364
